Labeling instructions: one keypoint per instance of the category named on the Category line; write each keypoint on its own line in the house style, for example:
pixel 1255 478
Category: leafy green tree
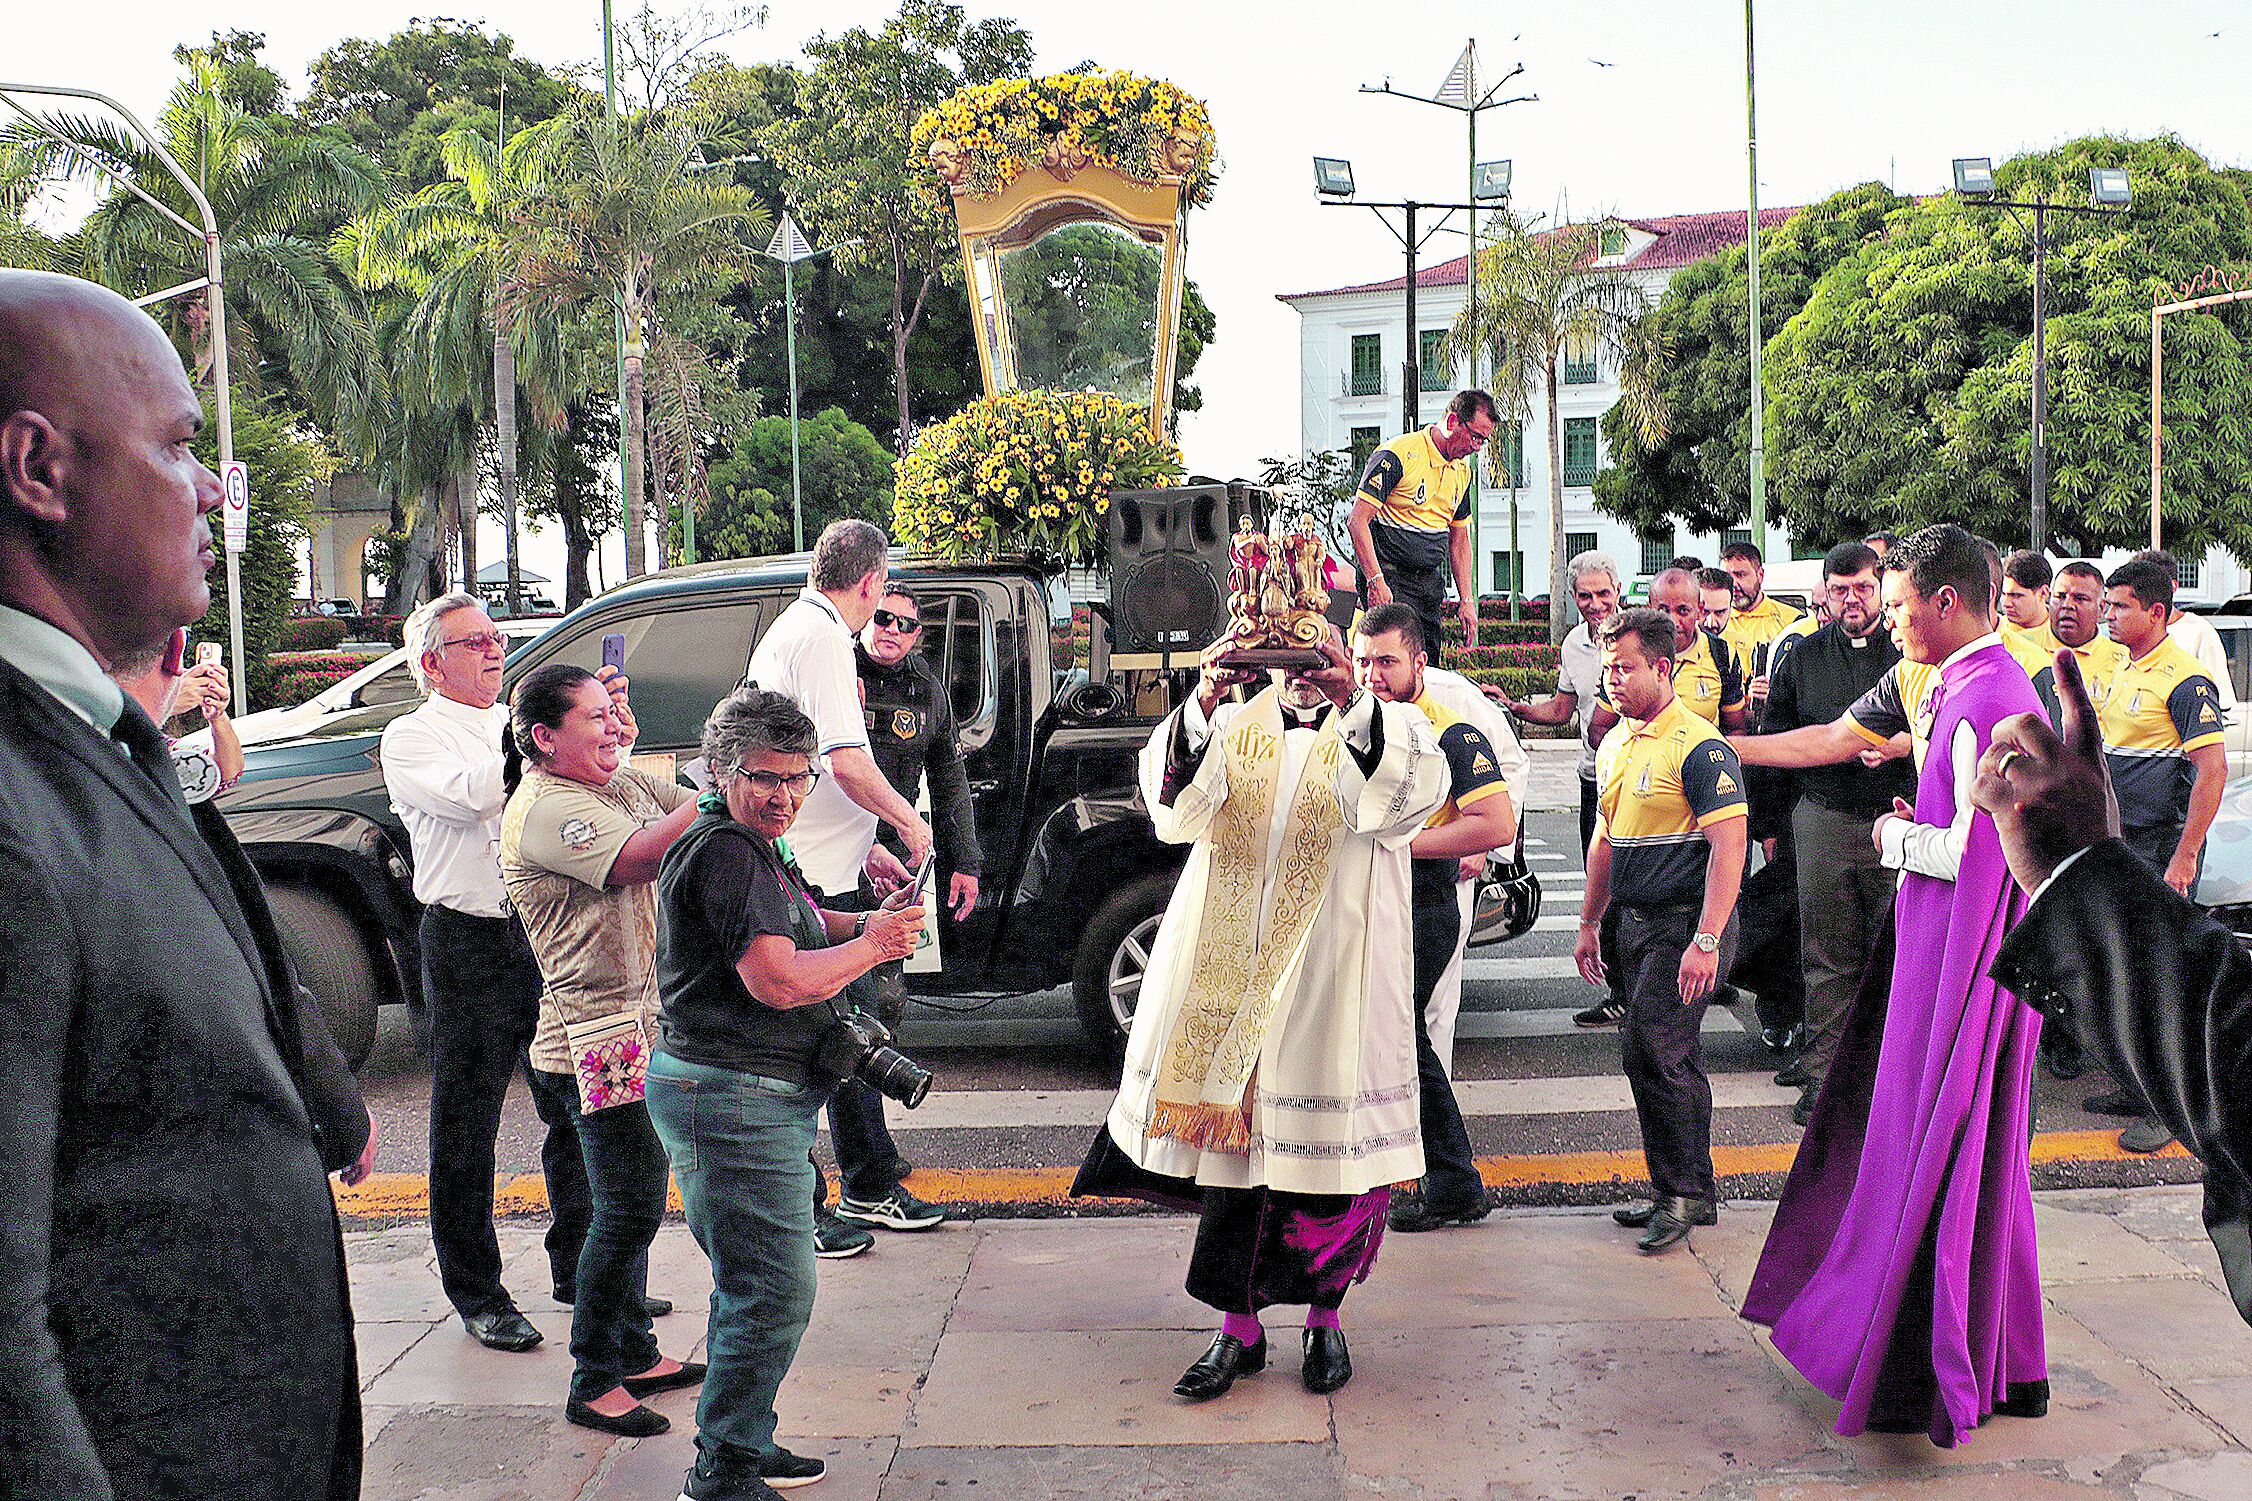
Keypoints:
pixel 617 214
pixel 1538 301
pixel 288 461
pixel 1900 394
pixel 1083 300
pixel 571 477
pixel 844 471
pixel 846 154
pixel 1699 473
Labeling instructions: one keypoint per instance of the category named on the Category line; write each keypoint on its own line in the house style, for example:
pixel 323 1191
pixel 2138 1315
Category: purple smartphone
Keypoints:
pixel 614 650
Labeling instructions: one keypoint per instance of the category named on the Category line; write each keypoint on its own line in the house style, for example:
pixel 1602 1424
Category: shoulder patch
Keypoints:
pixel 1724 783
pixel 576 834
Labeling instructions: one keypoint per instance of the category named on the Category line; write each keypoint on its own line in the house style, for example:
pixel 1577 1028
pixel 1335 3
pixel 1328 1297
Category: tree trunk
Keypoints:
pixel 504 433
pixel 1557 589
pixel 465 527
pixel 899 344
pixel 633 510
pixel 410 579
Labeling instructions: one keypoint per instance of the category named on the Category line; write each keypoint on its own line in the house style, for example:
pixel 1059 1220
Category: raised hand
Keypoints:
pixel 2049 795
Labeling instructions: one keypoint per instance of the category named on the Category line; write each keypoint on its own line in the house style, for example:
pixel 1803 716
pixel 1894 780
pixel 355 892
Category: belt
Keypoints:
pixel 442 910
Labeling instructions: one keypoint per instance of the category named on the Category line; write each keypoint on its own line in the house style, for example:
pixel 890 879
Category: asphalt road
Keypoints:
pixel 1017 1089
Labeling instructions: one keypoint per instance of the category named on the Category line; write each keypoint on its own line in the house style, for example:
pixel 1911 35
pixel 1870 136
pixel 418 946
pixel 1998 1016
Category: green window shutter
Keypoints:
pixel 1657 552
pixel 2190 570
pixel 1506 455
pixel 1438 373
pixel 1368 365
pixel 1579 450
pixel 1576 543
pixel 1579 366
pixel 1734 535
pixel 1614 240
pixel 1509 571
pixel 1364 442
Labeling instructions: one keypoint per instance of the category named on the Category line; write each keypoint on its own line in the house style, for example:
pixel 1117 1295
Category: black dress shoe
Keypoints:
pixel 1671 1220
pixel 1216 1369
pixel 1414 1215
pixel 639 1423
pixel 1635 1216
pixel 1794 1075
pixel 502 1329
pixel 1328 1365
pixel 1803 1111
pixel 656 1308
pixel 691 1372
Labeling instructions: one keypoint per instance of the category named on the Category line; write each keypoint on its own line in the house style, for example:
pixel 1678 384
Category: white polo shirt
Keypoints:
pixel 442 767
pixel 1580 673
pixel 806 655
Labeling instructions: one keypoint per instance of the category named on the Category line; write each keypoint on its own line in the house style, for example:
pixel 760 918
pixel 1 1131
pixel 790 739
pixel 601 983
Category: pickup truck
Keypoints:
pixel 1075 877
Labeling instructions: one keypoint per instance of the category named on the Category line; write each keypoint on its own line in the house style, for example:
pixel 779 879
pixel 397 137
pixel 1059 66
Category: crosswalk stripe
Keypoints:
pixel 1557 967
pixel 1547 856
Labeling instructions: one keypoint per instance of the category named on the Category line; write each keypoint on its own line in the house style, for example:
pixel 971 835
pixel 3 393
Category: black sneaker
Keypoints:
pixel 785 1471
pixel 834 1240
pixel 731 1474
pixel 897 1210
pixel 1604 1013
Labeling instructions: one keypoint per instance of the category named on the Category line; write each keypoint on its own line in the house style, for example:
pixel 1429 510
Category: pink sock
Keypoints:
pixel 1321 1318
pixel 1243 1326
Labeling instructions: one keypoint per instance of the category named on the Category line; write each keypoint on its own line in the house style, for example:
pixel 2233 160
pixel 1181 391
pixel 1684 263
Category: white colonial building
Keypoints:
pixel 1350 353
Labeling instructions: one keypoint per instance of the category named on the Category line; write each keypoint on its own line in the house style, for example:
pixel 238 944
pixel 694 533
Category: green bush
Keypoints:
pixel 1500 632
pixel 310 633
pixel 1517 682
pixel 286 690
pixel 1521 654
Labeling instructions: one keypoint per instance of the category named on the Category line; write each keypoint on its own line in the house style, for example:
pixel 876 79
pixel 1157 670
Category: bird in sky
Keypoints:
pixel 1600 63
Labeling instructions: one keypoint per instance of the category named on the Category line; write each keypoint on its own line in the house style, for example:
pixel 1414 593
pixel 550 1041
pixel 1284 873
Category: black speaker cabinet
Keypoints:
pixel 1168 553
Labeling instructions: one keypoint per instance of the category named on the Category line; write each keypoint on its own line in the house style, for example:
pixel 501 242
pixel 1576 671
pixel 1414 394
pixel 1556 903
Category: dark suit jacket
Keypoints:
pixel 173 1315
pixel 2163 994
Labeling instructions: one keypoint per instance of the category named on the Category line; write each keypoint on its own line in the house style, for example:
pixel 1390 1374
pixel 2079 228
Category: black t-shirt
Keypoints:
pixel 721 886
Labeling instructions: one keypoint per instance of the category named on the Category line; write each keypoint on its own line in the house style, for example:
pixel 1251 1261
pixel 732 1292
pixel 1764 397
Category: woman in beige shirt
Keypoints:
pixel 580 844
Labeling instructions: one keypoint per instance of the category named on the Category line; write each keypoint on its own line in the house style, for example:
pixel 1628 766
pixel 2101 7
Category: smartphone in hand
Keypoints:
pixel 207 654
pixel 614 650
pixel 907 895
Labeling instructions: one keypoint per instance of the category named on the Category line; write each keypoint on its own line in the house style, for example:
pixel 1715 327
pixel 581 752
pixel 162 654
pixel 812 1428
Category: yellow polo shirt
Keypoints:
pixel 1669 779
pixel 2100 661
pixel 2160 708
pixel 1707 678
pixel 1903 700
pixel 1749 630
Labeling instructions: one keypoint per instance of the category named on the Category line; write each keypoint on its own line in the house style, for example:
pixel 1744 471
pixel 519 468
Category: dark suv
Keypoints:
pixel 1076 878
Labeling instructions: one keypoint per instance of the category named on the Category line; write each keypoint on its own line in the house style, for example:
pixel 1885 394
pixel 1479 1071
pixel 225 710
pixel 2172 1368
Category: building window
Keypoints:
pixel 2187 571
pixel 1576 543
pixel 1438 373
pixel 1657 552
pixel 1508 571
pixel 1734 535
pixel 1507 450
pixel 1579 450
pixel 1364 442
pixel 1614 240
pixel 1579 364
pixel 1368 365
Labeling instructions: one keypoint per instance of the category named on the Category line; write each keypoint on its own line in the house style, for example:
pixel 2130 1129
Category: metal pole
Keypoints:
pixel 1411 399
pixel 2040 378
pixel 1470 280
pixel 1751 234
pixel 2157 433
pixel 629 506
pixel 790 342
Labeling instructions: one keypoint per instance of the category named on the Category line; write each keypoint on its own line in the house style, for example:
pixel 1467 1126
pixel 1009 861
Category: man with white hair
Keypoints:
pixel 480 983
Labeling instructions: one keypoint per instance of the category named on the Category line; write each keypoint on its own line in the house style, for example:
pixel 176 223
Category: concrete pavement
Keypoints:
pixel 1534 1357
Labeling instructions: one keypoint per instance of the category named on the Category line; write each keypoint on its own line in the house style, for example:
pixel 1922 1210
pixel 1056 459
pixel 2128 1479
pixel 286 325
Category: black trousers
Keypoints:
pixel 1587 815
pixel 867 1157
pixel 1450 1177
pixel 1662 1048
pixel 1768 961
pixel 481 987
pixel 1424 593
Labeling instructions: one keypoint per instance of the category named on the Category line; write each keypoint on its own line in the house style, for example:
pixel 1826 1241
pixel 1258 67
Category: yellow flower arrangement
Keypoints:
pixel 990 134
pixel 1026 472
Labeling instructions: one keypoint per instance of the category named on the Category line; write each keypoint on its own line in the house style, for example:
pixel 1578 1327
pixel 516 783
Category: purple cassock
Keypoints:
pixel 1901 1276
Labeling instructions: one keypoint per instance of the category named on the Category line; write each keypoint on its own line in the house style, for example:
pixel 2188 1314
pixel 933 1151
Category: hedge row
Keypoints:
pixel 310 633
pixel 1517 682
pixel 288 689
pixel 1541 656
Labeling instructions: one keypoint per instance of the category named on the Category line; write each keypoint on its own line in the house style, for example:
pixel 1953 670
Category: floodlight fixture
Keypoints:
pixel 1974 176
pixel 2107 187
pixel 1333 177
pixel 1489 183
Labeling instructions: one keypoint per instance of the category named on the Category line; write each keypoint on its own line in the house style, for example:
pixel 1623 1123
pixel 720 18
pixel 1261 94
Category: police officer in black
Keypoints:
pixel 910 735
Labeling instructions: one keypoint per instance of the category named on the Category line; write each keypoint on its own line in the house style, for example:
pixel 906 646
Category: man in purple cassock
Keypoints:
pixel 1901 1276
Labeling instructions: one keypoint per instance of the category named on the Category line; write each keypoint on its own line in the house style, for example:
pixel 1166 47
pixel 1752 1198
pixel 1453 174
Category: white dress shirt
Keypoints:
pixel 1929 849
pixel 442 767
pixel 806 656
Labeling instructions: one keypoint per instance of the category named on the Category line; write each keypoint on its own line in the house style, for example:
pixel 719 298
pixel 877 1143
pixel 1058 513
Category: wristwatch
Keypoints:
pixel 1707 943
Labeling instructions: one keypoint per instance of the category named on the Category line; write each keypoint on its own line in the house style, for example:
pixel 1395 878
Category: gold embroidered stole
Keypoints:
pixel 1204 1085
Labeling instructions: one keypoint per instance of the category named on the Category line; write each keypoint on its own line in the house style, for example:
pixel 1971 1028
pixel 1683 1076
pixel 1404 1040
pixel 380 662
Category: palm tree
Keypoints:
pixel 275 191
pixel 22 245
pixel 617 213
pixel 1539 301
pixel 449 249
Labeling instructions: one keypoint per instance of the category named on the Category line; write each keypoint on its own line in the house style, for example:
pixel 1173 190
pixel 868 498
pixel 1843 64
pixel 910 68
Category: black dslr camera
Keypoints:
pixel 857 1046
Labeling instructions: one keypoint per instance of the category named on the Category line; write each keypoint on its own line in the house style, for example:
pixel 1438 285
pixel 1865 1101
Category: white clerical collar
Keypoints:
pixel 454 708
pixel 1991 638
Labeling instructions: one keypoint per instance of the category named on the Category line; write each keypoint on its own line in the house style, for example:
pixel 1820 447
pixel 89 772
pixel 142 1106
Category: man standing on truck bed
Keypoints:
pixel 807 656
pixel 1411 516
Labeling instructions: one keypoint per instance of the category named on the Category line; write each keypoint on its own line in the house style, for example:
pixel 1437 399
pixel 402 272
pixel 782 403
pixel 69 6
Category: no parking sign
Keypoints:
pixel 236 511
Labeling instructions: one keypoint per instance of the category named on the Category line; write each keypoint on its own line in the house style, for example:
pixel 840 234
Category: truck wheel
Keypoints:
pixel 331 959
pixel 1107 978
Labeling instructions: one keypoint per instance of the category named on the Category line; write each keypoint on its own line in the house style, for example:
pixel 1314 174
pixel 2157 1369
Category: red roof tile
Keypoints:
pixel 1680 240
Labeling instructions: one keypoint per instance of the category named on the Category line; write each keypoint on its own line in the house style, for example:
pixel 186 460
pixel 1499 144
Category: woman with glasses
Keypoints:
pixel 747 964
pixel 580 844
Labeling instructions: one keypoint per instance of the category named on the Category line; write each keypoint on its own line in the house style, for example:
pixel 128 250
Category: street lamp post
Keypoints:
pixel 213 285
pixel 790 246
pixel 2108 193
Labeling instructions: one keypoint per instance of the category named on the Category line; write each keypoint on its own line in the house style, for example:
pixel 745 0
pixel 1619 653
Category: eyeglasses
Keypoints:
pixel 492 641
pixel 906 625
pixel 767 783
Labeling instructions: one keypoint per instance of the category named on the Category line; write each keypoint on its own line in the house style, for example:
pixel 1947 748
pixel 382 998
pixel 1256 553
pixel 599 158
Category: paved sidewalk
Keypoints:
pixel 1534 1357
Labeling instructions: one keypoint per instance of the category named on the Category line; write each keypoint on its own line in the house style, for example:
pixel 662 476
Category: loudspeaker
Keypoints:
pixel 1168 554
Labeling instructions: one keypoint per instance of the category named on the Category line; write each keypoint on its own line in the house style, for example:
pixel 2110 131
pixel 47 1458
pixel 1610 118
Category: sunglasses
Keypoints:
pixel 906 625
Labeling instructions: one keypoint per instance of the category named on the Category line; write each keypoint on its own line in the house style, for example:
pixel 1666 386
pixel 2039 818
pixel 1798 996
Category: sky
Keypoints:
pixel 1640 112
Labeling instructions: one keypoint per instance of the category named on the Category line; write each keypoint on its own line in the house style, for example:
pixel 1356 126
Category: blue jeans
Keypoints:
pixel 740 1146
pixel 625 1168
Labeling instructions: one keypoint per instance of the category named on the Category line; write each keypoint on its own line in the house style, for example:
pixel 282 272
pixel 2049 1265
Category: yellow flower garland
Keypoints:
pixel 1141 128
pixel 1026 472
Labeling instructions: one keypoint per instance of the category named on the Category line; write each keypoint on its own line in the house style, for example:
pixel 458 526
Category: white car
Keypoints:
pixel 367 699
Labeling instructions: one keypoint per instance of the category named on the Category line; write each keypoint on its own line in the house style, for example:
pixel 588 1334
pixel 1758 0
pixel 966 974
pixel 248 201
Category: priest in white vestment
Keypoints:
pixel 1270 1073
